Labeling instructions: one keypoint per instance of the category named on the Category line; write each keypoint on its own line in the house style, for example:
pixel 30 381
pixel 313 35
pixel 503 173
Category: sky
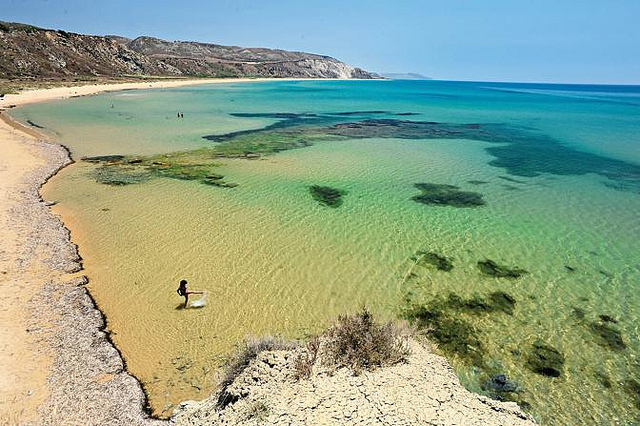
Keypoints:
pixel 559 41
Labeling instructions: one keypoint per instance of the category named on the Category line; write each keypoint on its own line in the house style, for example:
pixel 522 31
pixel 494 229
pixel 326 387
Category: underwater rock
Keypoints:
pixel 578 313
pixel 447 195
pixel 430 258
pixel 214 176
pixel 607 318
pixel 491 268
pixel 219 183
pixel 632 387
pixel 501 301
pixel 545 360
pixel 116 175
pixel 607 336
pixel 497 301
pixel 604 379
pixel 499 386
pixel 103 159
pixel 326 195
pixel 37 126
pixel 454 336
pixel 510 179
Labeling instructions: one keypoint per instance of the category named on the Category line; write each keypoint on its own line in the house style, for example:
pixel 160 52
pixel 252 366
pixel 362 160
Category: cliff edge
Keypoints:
pixel 423 390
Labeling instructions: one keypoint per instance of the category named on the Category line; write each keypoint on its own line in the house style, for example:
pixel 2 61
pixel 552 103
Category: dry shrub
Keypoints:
pixel 358 342
pixel 306 360
pixel 240 359
pixel 258 411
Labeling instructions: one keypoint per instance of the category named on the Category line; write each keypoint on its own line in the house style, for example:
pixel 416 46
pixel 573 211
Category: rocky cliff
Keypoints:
pixel 27 51
pixel 424 391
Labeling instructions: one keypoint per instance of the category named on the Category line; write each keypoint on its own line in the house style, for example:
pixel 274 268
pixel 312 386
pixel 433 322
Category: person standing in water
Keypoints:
pixel 185 292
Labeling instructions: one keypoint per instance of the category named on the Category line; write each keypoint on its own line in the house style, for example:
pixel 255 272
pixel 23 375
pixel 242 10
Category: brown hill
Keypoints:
pixel 28 51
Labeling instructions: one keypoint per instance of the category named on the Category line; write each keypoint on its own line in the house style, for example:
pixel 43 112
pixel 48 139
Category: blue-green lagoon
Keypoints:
pixel 537 178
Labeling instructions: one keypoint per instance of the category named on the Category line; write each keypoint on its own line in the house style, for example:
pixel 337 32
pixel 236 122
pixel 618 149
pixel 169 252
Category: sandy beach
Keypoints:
pixel 57 365
pixel 51 329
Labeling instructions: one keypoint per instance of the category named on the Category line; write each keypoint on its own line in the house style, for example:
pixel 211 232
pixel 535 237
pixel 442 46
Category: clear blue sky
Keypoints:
pixel 579 41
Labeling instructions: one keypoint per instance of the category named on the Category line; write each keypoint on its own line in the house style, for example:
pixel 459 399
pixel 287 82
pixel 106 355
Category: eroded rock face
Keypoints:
pixel 423 391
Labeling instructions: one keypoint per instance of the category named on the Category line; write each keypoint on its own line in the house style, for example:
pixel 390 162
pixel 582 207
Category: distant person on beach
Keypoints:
pixel 185 292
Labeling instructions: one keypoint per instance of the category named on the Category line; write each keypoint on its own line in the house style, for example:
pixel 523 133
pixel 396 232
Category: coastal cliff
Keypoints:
pixel 28 51
pixel 423 390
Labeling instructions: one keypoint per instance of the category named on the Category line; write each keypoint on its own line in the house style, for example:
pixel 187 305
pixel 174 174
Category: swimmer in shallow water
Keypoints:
pixel 185 292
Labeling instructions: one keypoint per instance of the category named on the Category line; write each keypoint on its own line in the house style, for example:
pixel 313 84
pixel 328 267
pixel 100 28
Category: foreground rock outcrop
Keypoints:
pixel 423 391
pixel 27 51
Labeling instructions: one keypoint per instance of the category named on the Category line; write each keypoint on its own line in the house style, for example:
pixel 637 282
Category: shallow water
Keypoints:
pixel 275 261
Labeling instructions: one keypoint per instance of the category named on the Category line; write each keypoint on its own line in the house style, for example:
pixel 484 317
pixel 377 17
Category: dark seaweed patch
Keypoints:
pixel 545 360
pixel 578 313
pixel 632 387
pixel 607 318
pixel 116 175
pixel 104 158
pixel 508 179
pixel 511 188
pixel 604 379
pixel 434 259
pixel 447 195
pixel 607 336
pixel 454 336
pixel 441 321
pixel 351 113
pixel 497 301
pixel 499 387
pixel 118 170
pixel 326 195
pixel 520 152
pixel 37 126
pixel 491 268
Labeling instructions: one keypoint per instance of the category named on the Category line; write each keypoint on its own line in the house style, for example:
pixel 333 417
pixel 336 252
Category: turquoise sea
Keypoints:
pixel 541 179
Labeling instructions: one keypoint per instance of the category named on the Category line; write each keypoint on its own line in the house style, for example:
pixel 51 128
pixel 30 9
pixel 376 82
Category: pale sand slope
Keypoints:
pixel 41 95
pixel 424 391
pixel 57 366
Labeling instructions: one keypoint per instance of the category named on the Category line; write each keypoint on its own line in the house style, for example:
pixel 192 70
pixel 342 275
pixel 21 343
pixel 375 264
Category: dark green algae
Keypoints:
pixel 447 195
pixel 327 195
pixel 118 170
pixel 493 269
pixel 442 319
pixel 440 262
pixel 520 152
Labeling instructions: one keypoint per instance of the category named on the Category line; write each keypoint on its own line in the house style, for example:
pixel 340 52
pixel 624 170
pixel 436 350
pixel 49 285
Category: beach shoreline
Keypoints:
pixel 86 379
pixel 56 363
